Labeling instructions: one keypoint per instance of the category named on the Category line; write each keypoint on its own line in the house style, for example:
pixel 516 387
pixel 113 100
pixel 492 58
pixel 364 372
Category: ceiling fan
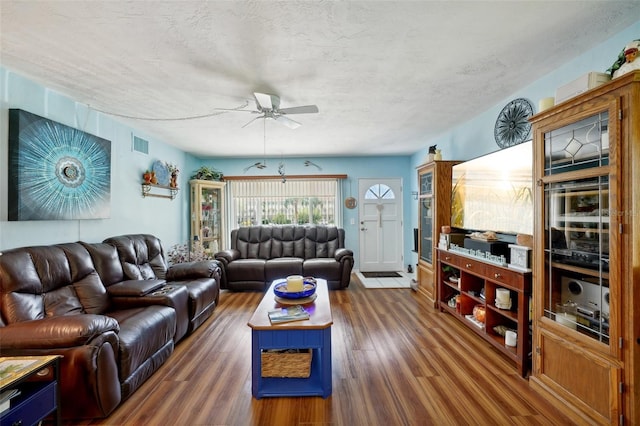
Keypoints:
pixel 269 107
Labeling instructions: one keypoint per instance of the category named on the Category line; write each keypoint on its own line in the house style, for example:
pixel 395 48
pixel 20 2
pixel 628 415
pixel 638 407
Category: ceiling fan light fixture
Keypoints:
pixel 308 163
pixel 269 107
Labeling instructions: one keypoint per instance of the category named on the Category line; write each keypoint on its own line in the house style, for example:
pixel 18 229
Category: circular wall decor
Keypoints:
pixel 350 203
pixel 512 126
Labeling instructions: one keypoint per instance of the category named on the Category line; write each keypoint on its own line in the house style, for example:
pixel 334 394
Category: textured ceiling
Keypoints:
pixel 386 76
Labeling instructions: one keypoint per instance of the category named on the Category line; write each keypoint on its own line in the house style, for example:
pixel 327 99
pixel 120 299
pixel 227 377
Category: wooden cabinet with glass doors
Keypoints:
pixel 587 246
pixel 434 210
pixel 207 215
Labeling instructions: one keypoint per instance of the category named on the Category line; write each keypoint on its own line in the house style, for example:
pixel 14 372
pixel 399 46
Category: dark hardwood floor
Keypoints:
pixel 396 361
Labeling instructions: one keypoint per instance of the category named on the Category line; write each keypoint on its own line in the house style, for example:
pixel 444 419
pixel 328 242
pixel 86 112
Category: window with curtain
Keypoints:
pixel 295 202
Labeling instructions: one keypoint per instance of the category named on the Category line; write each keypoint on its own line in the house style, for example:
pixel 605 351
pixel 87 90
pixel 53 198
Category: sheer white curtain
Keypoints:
pixel 297 201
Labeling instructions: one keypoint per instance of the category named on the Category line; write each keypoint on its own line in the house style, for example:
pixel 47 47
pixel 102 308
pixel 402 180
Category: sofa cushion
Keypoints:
pixel 322 241
pixel 253 242
pixel 282 267
pixel 79 260
pixel 62 301
pixel 106 262
pixel 246 270
pixel 328 269
pixel 141 256
pixel 92 294
pixel 287 241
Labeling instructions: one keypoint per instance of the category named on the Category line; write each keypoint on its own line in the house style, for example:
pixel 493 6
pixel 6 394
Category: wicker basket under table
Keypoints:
pixel 286 364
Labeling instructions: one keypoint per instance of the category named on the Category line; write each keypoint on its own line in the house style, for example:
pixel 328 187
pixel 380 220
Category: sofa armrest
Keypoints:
pixel 56 332
pixel 342 252
pixel 133 288
pixel 89 384
pixel 192 270
pixel 227 256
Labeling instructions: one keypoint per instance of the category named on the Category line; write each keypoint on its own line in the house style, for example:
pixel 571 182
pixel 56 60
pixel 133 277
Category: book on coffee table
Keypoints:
pixel 290 313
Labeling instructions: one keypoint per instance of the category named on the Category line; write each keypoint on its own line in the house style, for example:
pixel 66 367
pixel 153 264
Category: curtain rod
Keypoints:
pixel 289 177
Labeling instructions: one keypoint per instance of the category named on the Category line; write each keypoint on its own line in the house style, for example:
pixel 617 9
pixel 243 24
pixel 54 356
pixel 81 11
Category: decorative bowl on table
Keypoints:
pixel 309 288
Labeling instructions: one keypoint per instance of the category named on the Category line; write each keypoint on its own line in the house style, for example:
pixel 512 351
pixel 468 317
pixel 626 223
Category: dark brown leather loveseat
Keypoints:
pixel 113 310
pixel 261 254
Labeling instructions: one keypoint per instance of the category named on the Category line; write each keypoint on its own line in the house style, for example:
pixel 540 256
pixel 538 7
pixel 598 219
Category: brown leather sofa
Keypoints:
pixel 113 329
pixel 142 258
pixel 261 254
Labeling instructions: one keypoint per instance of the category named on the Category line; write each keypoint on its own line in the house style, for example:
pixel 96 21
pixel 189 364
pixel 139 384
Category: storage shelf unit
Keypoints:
pixel 207 215
pixel 434 198
pixel 477 285
pixel 587 300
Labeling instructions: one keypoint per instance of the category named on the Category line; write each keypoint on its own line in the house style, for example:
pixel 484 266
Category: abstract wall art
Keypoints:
pixel 56 172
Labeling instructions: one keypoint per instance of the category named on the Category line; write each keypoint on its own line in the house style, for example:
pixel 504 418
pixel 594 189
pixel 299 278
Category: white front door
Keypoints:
pixel 380 220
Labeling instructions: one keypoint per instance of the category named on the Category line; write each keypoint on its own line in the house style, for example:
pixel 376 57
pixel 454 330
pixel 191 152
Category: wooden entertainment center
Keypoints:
pixel 477 283
pixel 586 316
pixel 579 325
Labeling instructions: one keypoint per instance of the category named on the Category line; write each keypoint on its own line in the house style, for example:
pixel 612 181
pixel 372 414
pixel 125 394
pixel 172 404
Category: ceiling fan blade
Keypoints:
pixel 252 120
pixel 306 109
pixel 266 101
pixel 234 110
pixel 287 121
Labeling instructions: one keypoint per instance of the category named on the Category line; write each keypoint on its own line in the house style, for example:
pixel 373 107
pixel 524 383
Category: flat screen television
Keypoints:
pixel 494 192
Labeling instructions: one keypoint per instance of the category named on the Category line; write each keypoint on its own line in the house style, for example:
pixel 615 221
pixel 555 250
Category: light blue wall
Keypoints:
pixel 130 212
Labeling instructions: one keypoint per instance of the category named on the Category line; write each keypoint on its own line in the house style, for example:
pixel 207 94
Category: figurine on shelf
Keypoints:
pixel 146 176
pixel 627 60
pixel 154 178
pixel 173 169
pixel 431 153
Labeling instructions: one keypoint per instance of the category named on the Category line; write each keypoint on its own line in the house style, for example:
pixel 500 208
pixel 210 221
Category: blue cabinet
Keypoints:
pixel 37 379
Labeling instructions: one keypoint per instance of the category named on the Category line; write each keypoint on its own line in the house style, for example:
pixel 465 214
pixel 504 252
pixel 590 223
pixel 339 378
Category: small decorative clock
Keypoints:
pixel 350 203
pixel 512 126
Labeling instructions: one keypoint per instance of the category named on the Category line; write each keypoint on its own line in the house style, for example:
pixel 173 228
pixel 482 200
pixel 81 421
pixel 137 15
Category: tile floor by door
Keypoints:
pixel 402 282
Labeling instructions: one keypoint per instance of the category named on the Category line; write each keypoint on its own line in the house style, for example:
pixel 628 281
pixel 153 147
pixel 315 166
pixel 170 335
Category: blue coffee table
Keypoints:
pixel 314 334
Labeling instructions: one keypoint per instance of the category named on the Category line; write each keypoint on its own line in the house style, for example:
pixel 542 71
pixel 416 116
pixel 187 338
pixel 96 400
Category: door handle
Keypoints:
pixel 363 229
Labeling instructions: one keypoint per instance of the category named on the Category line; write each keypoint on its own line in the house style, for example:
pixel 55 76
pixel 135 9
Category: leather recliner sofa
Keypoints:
pixel 113 331
pixel 263 253
pixel 142 258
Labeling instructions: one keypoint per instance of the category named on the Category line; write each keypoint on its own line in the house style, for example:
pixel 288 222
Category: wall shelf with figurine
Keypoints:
pixel 151 190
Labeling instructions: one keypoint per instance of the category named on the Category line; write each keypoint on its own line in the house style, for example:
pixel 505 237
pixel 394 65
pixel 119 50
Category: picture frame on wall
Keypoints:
pixel 56 172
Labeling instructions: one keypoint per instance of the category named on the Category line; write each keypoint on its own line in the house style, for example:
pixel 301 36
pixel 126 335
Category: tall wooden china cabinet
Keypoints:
pixel 586 348
pixel 207 214
pixel 434 210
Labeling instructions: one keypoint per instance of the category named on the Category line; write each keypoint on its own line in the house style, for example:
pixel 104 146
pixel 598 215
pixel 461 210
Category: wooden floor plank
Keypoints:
pixel 396 361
